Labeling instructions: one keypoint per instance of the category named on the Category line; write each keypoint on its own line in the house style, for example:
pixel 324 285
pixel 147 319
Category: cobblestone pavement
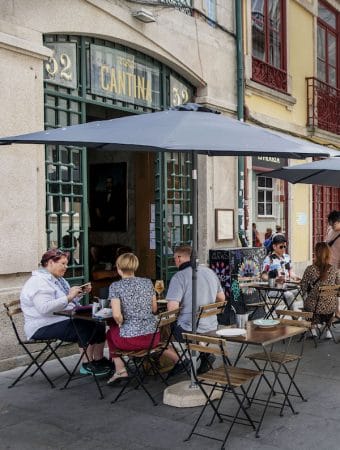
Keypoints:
pixel 34 416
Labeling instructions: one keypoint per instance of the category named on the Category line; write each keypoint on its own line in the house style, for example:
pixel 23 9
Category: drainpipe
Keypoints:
pixel 240 116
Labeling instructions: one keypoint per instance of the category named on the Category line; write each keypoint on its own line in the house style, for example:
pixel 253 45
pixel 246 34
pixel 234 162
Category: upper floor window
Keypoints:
pixel 268 43
pixel 327 46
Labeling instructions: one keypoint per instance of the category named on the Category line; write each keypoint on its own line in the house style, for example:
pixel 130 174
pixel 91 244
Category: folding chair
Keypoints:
pixel 244 283
pixel 227 379
pixel 211 309
pixel 46 348
pixel 324 293
pixel 281 359
pixel 145 361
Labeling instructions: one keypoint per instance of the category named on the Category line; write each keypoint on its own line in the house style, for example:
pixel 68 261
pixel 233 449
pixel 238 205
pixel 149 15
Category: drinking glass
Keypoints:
pixel 159 288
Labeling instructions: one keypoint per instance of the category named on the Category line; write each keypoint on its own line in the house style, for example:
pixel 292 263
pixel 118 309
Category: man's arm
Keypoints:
pixel 173 304
pixel 220 297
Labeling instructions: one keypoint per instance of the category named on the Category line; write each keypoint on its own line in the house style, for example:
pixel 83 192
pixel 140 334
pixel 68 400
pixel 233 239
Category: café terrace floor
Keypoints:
pixel 34 416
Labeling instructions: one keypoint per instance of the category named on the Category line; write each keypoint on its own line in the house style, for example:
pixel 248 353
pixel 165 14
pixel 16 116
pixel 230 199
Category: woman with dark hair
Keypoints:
pixel 320 273
pixel 47 292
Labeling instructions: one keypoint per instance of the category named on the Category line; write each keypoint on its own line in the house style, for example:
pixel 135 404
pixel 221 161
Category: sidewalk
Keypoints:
pixel 36 417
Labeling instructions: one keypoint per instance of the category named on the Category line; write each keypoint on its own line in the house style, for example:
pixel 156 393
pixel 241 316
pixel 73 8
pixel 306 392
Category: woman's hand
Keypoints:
pixel 87 289
pixel 75 291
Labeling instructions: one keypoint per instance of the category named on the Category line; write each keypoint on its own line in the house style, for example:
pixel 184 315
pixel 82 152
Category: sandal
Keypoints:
pixel 118 377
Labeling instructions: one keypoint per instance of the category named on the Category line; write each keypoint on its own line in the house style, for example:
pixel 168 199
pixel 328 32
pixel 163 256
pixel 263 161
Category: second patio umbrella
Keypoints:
pixel 324 172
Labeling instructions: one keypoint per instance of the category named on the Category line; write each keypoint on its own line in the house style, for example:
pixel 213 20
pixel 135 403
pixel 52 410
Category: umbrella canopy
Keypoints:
pixel 325 172
pixel 176 130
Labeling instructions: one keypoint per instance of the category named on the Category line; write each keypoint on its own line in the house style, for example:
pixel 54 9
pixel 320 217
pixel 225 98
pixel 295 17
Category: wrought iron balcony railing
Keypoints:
pixel 269 75
pixel 323 106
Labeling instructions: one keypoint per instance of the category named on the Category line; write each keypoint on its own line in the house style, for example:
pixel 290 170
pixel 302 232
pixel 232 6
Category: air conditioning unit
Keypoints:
pixel 143 15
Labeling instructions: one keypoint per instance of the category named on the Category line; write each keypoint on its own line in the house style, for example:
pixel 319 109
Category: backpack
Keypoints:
pixel 268 244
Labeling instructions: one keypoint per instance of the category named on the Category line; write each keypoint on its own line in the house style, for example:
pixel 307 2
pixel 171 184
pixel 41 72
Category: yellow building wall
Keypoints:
pixel 300 55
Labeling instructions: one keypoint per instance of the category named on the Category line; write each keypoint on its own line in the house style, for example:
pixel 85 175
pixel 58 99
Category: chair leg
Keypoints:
pixel 36 362
pixel 53 352
pixel 208 402
pixel 140 382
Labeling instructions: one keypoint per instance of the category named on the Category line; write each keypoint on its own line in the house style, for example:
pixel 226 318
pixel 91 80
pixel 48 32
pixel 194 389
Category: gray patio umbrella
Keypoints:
pixel 178 130
pixel 325 172
pixel 189 127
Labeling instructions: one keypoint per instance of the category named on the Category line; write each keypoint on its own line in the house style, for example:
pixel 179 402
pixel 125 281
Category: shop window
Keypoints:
pixel 269 43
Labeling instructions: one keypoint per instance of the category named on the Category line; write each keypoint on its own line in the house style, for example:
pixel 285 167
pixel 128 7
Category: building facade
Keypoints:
pixel 292 86
pixel 69 62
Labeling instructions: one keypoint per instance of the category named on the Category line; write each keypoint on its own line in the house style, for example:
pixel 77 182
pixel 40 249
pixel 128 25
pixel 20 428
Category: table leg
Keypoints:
pixel 84 352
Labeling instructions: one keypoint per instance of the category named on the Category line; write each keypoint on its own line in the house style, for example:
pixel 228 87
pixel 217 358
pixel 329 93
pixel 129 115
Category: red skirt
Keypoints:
pixel 117 342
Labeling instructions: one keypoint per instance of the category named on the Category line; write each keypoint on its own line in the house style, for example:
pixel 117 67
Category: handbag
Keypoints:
pixel 330 243
pixel 310 286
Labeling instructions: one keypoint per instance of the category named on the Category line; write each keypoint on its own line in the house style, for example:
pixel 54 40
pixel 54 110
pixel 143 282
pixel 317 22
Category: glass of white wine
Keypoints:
pixel 159 288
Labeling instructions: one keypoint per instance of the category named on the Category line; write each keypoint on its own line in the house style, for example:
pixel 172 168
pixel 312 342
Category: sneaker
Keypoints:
pixel 90 368
pixel 181 367
pixel 104 363
pixel 328 335
pixel 207 360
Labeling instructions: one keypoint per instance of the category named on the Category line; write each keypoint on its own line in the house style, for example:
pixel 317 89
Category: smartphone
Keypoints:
pixel 83 286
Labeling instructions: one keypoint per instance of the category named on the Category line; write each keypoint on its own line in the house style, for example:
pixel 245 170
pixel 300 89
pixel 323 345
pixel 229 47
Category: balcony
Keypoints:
pixel 269 75
pixel 323 106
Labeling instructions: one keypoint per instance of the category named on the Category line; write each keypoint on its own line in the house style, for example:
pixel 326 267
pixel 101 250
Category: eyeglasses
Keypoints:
pixel 282 246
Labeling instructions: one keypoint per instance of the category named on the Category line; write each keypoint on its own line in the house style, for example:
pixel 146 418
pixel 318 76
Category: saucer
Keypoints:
pixel 266 323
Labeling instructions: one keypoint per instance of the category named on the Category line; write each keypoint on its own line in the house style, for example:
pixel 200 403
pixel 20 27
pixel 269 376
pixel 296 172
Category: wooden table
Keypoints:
pixel 277 295
pixel 266 339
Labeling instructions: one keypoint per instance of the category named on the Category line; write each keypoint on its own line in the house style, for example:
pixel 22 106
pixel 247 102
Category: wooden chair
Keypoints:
pixel 46 347
pixel 324 293
pixel 227 379
pixel 211 309
pixel 145 361
pixel 244 283
pixel 297 319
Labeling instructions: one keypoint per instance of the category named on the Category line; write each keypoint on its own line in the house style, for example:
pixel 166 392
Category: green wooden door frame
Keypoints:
pixel 67 106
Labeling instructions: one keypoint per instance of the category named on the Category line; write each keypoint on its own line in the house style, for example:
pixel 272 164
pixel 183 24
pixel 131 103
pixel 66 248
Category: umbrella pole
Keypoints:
pixel 194 259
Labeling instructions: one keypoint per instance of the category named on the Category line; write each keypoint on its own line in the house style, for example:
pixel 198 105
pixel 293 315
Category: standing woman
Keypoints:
pixel 319 274
pixel 333 240
pixel 134 303
pixel 47 292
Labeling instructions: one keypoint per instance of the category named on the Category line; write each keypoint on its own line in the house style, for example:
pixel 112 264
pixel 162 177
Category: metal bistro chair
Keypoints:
pixel 211 309
pixel 47 348
pixel 227 379
pixel 145 361
pixel 324 293
pixel 252 307
pixel 282 359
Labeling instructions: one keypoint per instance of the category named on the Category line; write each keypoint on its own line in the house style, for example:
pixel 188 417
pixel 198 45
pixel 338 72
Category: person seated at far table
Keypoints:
pixel 134 304
pixel 279 261
pixel 320 273
pixel 47 292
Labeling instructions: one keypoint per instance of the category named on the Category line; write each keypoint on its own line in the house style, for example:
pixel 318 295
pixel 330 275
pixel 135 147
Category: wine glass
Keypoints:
pixel 159 288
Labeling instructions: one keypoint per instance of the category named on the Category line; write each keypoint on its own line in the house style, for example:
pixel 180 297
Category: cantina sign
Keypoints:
pixel 119 75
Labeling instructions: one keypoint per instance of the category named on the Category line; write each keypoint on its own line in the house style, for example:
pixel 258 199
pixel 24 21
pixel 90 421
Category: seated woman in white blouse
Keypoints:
pixel 47 292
